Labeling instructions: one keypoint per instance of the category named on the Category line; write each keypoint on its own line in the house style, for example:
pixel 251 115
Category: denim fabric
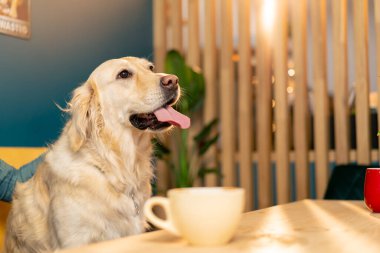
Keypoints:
pixel 9 176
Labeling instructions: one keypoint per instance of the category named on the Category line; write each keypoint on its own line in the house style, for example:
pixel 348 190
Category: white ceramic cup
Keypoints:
pixel 204 216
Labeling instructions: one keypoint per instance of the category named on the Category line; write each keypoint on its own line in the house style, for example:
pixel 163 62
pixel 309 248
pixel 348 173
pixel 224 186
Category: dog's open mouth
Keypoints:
pixel 161 118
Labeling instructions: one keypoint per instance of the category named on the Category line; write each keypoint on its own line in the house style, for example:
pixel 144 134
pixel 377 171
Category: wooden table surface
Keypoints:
pixel 303 226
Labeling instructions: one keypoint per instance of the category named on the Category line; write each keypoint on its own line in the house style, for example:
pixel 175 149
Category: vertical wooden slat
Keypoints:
pixel 340 65
pixel 193 60
pixel 175 17
pixel 361 81
pixel 159 33
pixel 193 51
pixel 264 109
pixel 301 106
pixel 281 99
pixel 176 24
pixel 227 95
pixel 245 103
pixel 210 73
pixel 159 44
pixel 321 114
pixel 377 28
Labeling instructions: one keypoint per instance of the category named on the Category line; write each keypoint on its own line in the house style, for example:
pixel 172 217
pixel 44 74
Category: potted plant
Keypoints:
pixel 186 163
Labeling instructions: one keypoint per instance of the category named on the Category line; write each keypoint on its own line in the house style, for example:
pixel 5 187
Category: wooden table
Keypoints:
pixel 303 226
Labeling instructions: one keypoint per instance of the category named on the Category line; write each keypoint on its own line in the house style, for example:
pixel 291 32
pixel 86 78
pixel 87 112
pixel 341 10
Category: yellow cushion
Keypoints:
pixel 15 157
pixel 19 156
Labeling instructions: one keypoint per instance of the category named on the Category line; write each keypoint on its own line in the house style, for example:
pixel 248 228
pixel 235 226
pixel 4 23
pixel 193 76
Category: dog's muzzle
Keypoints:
pixel 164 116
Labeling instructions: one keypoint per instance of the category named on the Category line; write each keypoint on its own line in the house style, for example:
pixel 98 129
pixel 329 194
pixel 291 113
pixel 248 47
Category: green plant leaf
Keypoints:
pixel 192 83
pixel 196 91
pixel 208 144
pixel 193 94
pixel 205 171
pixel 205 131
pixel 159 149
pixel 175 64
pixel 201 138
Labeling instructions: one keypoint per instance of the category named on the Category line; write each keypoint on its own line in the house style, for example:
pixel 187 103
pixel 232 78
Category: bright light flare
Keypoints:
pixel 268 12
pixel 291 72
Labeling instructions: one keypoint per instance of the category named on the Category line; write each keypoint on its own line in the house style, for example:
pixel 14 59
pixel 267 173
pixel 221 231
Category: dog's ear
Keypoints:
pixel 86 116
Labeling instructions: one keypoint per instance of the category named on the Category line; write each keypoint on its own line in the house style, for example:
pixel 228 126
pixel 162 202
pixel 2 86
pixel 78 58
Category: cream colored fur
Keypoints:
pixel 96 177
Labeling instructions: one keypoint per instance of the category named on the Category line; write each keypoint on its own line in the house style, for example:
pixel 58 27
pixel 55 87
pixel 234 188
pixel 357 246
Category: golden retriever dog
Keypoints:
pixel 96 177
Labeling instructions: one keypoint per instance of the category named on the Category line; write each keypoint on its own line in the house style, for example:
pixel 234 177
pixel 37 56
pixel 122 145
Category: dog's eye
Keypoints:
pixel 124 74
pixel 151 67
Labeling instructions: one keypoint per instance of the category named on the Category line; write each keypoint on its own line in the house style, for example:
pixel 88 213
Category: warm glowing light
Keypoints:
pixel 274 128
pixel 291 72
pixel 268 14
pixel 235 57
pixel 290 89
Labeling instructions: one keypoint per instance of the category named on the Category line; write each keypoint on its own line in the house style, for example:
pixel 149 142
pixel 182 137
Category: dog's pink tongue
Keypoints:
pixel 170 115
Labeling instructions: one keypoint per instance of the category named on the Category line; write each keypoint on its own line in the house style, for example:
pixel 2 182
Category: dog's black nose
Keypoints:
pixel 169 82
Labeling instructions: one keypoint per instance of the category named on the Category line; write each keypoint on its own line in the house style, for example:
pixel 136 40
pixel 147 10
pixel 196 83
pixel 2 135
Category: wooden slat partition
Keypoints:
pixel 193 60
pixel 210 73
pixel 361 81
pixel 227 96
pixel 245 102
pixel 159 33
pixel 256 100
pixel 340 66
pixel 160 47
pixel 377 28
pixel 193 51
pixel 176 24
pixel 312 156
pixel 175 42
pixel 264 109
pixel 301 106
pixel 281 100
pixel 321 114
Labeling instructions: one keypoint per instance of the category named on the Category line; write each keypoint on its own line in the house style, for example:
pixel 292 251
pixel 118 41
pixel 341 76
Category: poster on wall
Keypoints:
pixel 15 18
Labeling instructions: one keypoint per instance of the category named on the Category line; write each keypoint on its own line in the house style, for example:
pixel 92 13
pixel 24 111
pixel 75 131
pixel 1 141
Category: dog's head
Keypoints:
pixel 128 93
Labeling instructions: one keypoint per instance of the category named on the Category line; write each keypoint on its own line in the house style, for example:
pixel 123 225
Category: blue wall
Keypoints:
pixel 69 39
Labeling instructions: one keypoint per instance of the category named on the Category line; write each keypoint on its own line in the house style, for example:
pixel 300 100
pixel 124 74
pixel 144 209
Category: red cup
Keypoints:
pixel 372 189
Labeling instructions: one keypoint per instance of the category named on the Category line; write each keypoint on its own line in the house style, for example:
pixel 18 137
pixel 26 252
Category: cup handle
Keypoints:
pixel 163 224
